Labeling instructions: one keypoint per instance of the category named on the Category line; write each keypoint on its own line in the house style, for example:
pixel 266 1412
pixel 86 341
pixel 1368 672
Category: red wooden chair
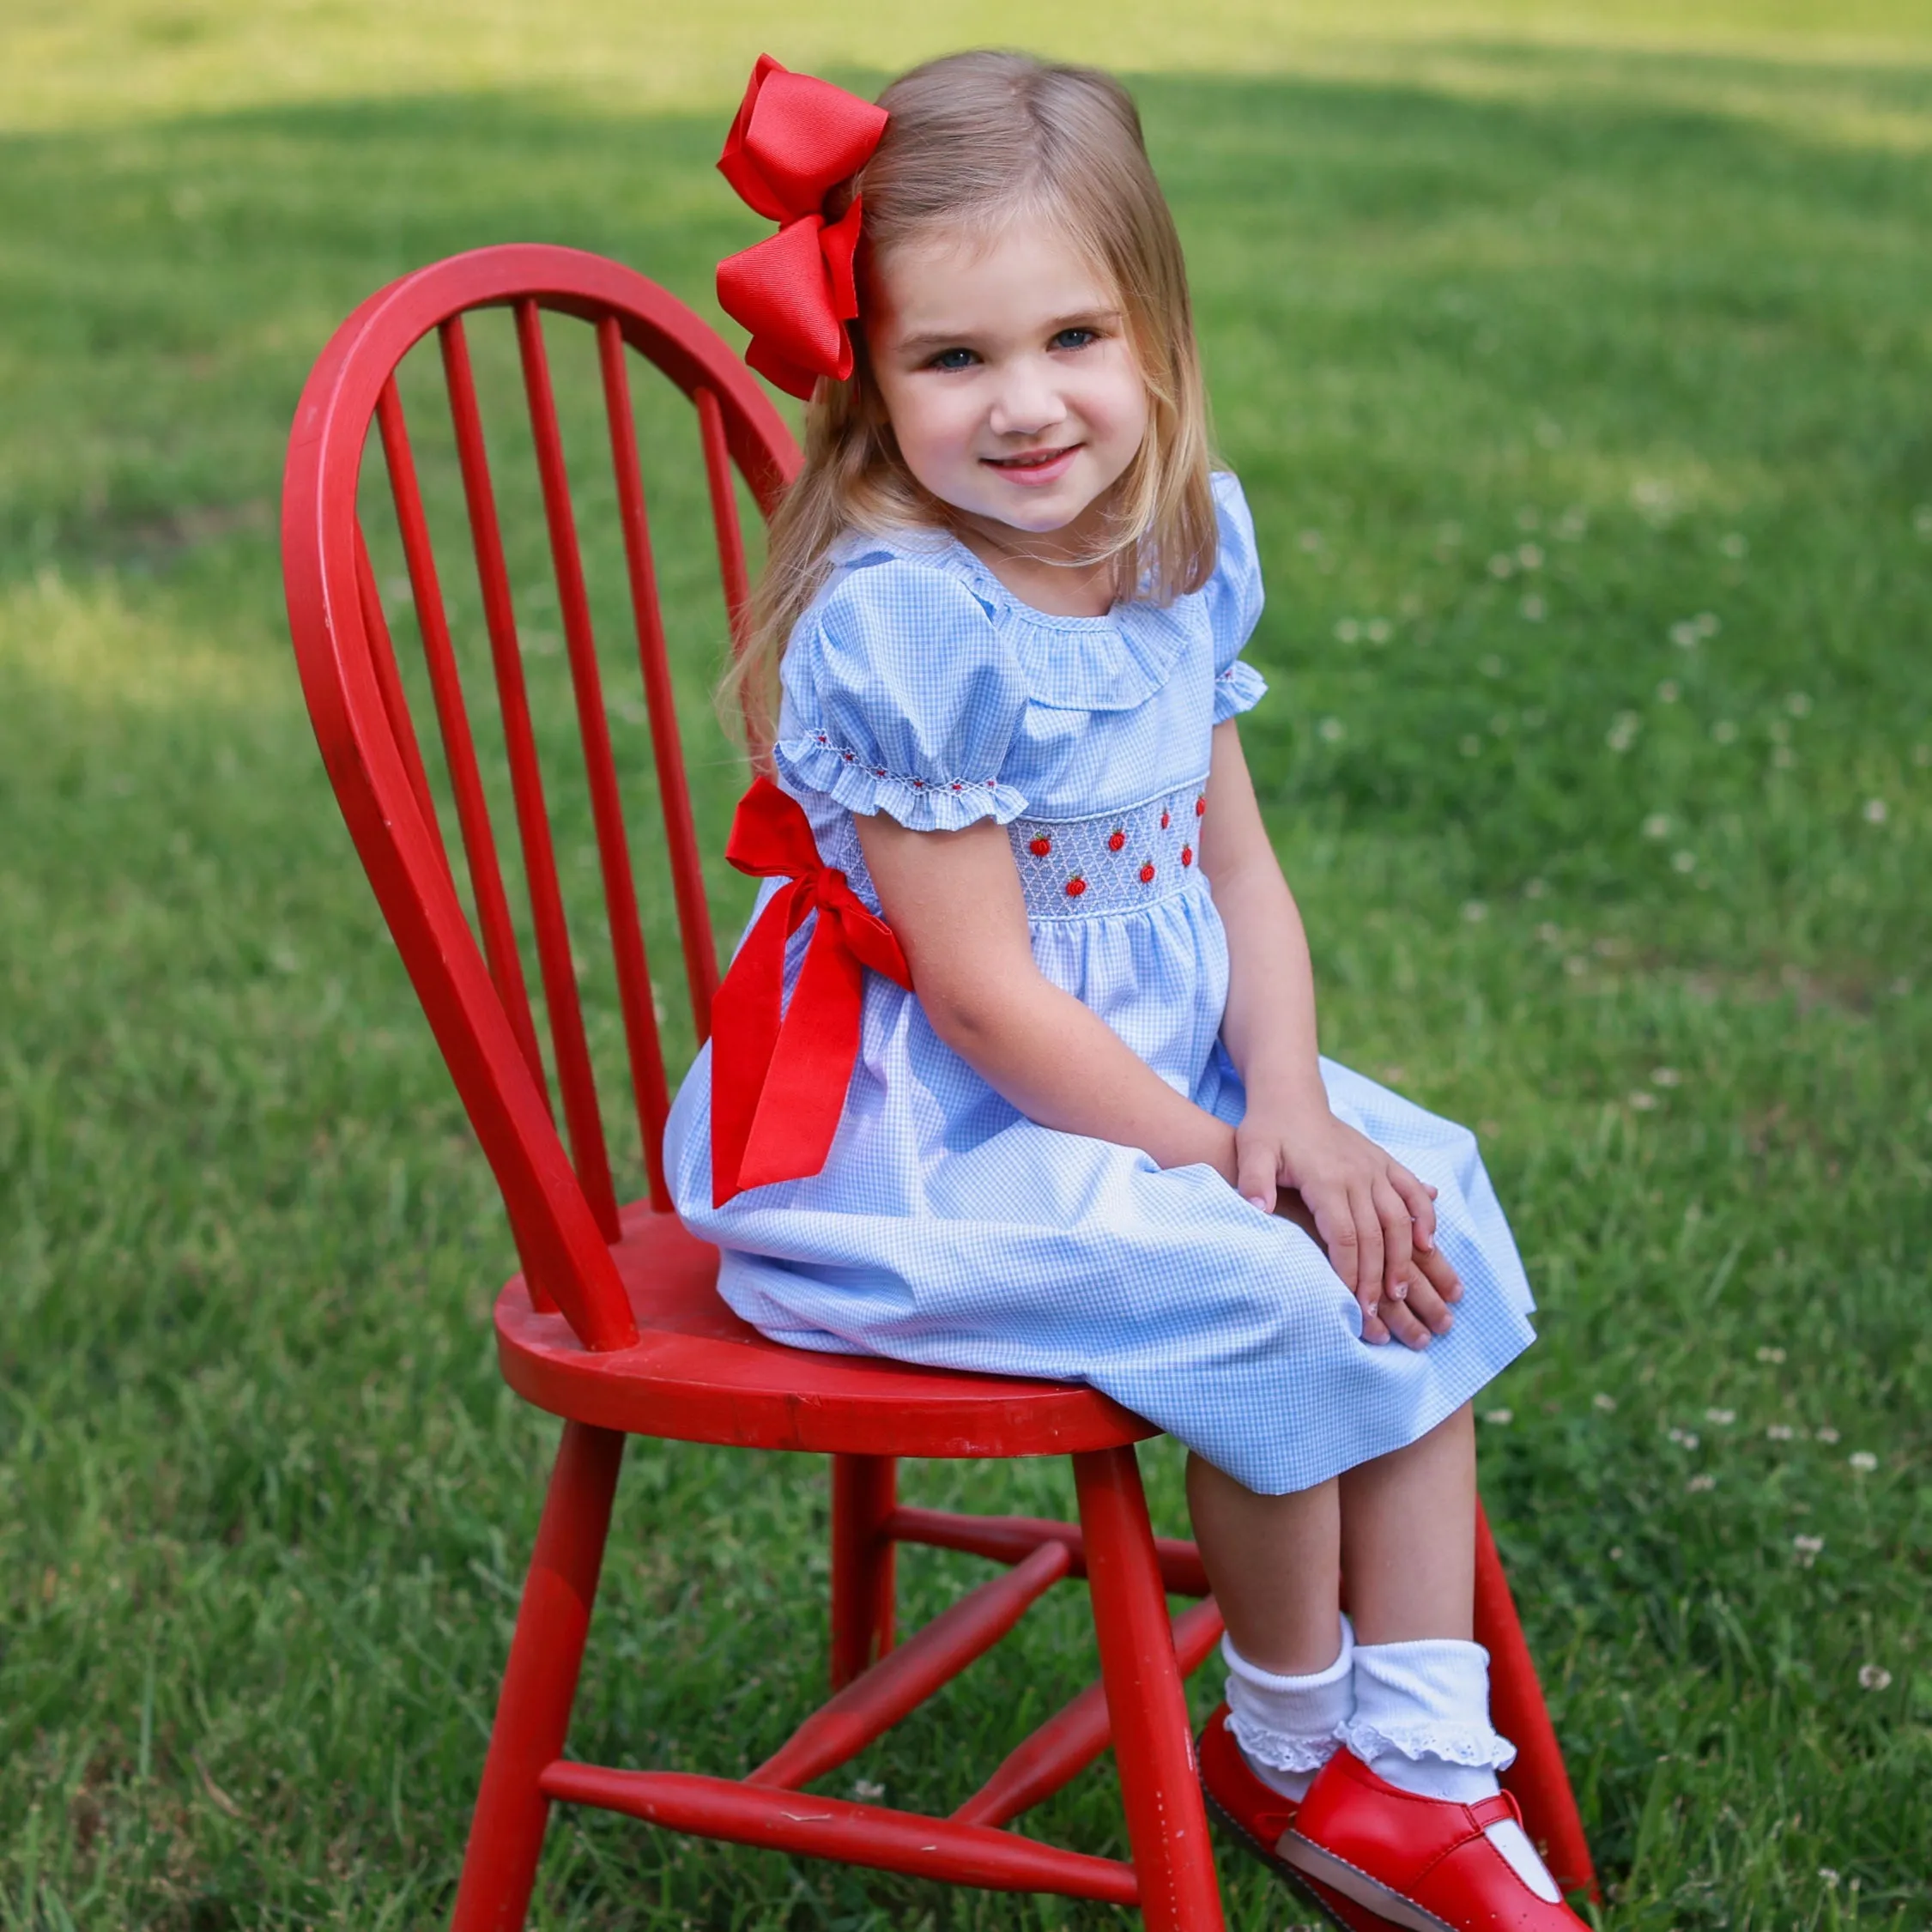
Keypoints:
pixel 614 1322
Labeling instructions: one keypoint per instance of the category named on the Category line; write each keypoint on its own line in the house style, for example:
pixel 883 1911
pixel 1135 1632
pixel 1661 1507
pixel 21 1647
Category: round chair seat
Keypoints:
pixel 697 1373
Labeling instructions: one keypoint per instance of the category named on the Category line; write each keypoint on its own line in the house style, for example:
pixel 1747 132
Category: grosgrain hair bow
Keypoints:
pixel 779 1073
pixel 795 139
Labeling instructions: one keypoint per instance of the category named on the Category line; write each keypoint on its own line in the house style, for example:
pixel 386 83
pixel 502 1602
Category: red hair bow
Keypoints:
pixel 779 1073
pixel 794 139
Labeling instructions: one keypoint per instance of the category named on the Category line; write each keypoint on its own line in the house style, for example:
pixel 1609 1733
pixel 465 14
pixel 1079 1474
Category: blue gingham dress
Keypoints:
pixel 946 1227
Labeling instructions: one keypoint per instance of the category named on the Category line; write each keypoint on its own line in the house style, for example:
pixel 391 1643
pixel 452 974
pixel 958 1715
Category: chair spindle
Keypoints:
pixel 626 930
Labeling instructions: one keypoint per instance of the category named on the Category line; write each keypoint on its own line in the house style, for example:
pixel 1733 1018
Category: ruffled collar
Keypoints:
pixel 1112 662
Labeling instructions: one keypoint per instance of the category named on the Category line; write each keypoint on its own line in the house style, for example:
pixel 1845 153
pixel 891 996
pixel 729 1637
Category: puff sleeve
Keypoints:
pixel 1234 600
pixel 901 696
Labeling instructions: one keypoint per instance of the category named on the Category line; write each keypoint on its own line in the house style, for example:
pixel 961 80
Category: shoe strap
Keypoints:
pixel 1496 1810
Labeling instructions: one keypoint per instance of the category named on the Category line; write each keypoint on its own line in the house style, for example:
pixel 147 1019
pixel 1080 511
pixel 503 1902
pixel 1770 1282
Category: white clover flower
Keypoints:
pixel 1534 889
pixel 1333 730
pixel 1499 1418
pixel 1769 1353
pixel 1469 745
pixel 1708 623
pixel 1722 1417
pixel 1658 826
pixel 1698 1485
pixel 1576 966
pixel 1490 665
pixel 1499 724
pixel 1643 1100
pixel 1346 630
pixel 1309 540
pixel 1653 498
pixel 1530 556
pixel 1377 630
pixel 1921 519
pixel 1724 732
pixel 1807 1549
pixel 1875 811
pixel 1784 758
pixel 1828 1875
pixel 1825 1433
pixel 1534 609
pixel 1798 704
pixel 1449 534
pixel 1683 861
pixel 1475 912
pixel 1872 1677
pixel 1734 544
pixel 1549 932
pixel 1666 1076
pixel 1685 1439
pixel 1573 523
pixel 1502 565
pixel 866 1791
pixel 1685 635
pixel 1616 1552
pixel 1667 692
pixel 1864 1461
pixel 1607 1403
pixel 1622 734
pixel 1778 1431
pixel 1528 518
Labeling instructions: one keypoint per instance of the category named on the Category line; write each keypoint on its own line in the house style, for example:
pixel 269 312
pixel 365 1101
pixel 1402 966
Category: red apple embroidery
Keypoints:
pixel 1147 872
pixel 1076 886
pixel 1187 854
pixel 1040 845
pixel 1115 839
pixel 1201 807
pixel 1166 820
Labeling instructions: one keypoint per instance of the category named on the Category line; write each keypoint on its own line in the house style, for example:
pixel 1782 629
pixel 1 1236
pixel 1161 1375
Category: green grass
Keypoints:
pixel 1535 336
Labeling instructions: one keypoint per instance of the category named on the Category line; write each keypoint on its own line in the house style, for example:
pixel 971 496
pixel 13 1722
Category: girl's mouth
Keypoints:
pixel 1035 467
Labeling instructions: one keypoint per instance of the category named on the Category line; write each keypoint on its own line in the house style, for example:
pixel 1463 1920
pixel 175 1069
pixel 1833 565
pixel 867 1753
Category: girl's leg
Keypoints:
pixel 1421 1685
pixel 1274 1563
pixel 1407 1538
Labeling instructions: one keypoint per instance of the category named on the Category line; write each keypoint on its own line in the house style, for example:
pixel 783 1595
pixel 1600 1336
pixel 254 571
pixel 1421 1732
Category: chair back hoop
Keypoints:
pixel 562 1205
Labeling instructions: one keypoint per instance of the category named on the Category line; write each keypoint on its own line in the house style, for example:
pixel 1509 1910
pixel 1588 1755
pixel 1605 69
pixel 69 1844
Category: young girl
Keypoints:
pixel 1086 1133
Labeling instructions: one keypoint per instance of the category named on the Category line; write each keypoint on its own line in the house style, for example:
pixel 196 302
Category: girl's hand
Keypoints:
pixel 1375 1219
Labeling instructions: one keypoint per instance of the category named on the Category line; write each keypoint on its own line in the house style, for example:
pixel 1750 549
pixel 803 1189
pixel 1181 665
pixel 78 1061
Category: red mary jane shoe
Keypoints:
pixel 1424 1865
pixel 1262 1820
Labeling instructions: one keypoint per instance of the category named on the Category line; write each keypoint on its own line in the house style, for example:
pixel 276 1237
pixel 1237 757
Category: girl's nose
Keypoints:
pixel 1027 402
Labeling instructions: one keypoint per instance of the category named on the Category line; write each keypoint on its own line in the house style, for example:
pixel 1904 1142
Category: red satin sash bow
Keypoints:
pixel 794 139
pixel 778 1083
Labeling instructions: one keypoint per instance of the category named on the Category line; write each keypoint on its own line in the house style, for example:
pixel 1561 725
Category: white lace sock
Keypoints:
pixel 1289 1727
pixel 1421 1722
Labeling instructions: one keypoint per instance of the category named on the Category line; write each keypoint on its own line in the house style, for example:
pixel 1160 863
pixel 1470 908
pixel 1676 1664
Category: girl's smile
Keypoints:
pixel 1034 467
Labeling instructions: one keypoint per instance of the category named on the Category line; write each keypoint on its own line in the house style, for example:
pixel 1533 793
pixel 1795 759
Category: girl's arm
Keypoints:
pixel 1375 1218
pixel 953 899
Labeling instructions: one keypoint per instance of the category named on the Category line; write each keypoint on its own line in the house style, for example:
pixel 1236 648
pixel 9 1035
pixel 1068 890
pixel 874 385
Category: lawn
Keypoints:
pixel 1576 361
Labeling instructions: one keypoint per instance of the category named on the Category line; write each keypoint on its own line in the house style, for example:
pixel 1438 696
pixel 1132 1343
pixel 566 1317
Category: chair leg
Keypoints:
pixel 864 1490
pixel 1539 1780
pixel 540 1685
pixel 1153 1749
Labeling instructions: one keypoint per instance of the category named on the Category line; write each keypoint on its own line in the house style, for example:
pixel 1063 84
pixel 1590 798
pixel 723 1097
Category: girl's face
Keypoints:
pixel 1013 390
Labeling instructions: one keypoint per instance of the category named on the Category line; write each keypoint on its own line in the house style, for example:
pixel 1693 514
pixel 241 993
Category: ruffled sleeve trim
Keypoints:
pixel 1237 689
pixel 816 762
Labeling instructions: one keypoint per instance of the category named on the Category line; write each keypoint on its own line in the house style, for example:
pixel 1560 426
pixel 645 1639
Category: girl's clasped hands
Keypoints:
pixel 1374 1218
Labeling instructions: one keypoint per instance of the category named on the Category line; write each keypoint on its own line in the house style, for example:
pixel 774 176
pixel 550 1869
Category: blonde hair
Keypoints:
pixel 973 140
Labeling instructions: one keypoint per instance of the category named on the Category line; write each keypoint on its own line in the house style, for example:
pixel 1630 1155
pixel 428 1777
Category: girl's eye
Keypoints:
pixel 953 359
pixel 1075 338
